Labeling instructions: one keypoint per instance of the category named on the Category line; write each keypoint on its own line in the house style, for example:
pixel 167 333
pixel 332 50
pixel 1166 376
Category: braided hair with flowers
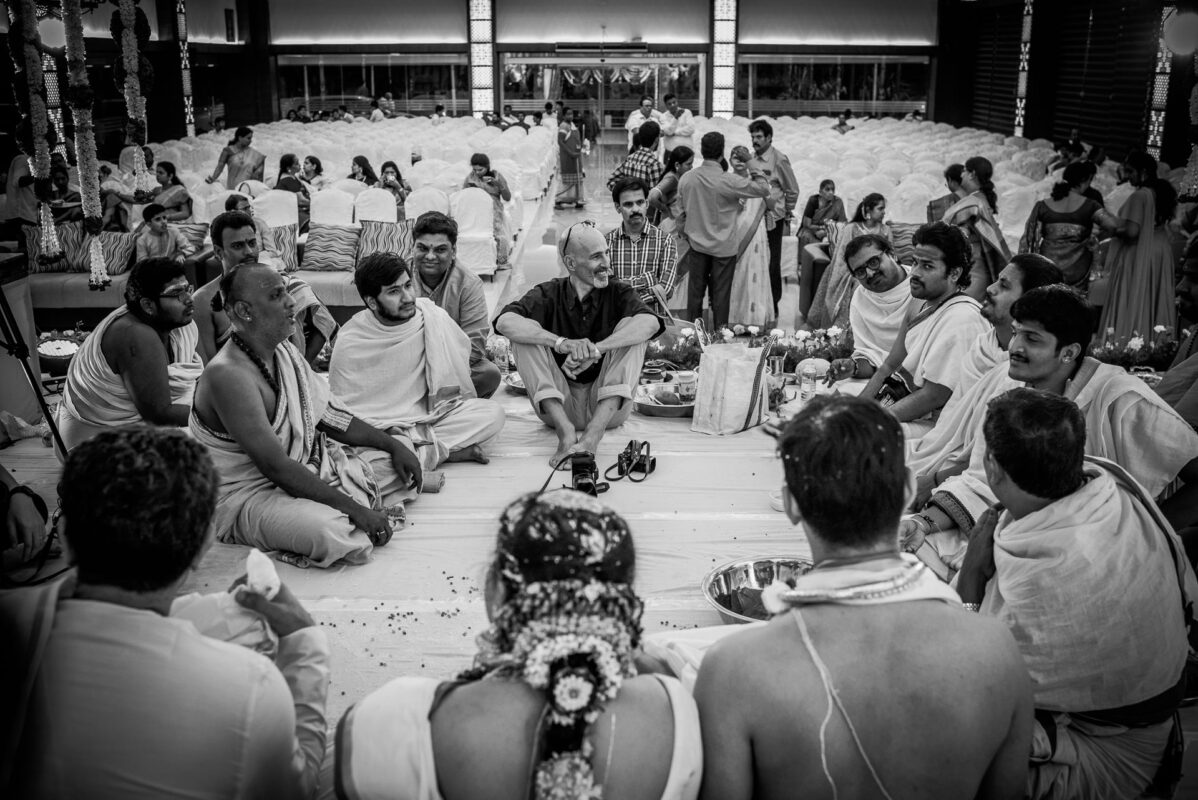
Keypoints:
pixel 568 625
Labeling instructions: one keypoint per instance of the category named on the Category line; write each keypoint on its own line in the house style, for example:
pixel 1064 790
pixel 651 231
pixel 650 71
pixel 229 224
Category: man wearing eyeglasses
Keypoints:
pixel 923 368
pixel 579 343
pixel 140 363
pixel 878 310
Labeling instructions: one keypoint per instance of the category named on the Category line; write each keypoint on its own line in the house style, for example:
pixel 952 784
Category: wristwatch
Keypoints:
pixel 558 344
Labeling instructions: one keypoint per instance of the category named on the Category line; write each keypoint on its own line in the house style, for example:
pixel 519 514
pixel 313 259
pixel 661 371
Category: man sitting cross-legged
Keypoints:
pixel 792 708
pixel 140 363
pixel 438 276
pixel 235 240
pixel 1126 422
pixel 276 436
pixel 579 343
pixel 104 695
pixel 923 369
pixel 880 307
pixel 403 366
pixel 1080 565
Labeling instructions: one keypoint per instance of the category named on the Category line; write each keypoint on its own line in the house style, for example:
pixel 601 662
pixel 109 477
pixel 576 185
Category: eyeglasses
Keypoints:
pixel 188 290
pixel 874 265
pixel 570 231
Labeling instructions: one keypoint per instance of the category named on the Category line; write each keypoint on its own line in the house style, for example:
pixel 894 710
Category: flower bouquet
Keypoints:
pixel 1155 351
pixel 829 344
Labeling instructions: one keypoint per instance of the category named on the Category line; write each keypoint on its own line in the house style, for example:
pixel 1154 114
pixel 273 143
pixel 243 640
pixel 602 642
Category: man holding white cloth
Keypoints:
pixel 403 364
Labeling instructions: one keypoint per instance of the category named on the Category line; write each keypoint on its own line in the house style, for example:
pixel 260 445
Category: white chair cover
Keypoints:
pixel 276 208
pixel 474 211
pixel 332 207
pixel 252 189
pixel 426 199
pixel 376 204
pixel 207 209
pixel 349 186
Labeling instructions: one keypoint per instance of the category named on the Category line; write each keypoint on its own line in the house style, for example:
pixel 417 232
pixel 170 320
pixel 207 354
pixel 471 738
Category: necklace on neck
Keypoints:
pixel 258 362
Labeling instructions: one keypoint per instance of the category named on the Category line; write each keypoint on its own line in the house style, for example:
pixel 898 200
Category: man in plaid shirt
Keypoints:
pixel 640 254
pixel 642 162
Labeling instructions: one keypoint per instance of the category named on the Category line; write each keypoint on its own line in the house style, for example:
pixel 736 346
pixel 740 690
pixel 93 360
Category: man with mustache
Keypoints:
pixel 235 241
pixel 579 343
pixel 298 472
pixel 1126 422
pixel 641 255
pixel 923 369
pixel 140 363
pixel 403 365
pixel 437 275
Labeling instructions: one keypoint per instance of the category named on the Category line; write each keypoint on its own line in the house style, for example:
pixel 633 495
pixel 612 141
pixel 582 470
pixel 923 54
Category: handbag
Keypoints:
pixel 732 392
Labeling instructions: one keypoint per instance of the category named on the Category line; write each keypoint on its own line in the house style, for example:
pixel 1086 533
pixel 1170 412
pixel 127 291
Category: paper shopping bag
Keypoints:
pixel 732 389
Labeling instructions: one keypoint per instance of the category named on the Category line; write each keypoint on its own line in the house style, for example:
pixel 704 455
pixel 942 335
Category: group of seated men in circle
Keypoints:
pixel 1032 486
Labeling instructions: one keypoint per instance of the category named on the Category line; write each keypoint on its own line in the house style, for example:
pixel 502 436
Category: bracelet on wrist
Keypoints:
pixel 933 527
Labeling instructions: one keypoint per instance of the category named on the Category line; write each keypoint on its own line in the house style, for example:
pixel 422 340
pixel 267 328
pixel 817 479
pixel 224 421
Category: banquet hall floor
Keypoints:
pixel 416 607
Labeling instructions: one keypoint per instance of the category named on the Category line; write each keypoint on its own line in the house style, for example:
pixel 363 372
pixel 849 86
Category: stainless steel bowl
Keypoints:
pixel 721 584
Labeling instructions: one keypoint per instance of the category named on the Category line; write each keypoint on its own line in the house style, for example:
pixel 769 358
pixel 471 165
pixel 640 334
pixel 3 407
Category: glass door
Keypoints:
pixel 611 88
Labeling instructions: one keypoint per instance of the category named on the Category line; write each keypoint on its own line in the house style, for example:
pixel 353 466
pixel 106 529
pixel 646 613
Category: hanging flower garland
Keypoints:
pixel 81 99
pixel 39 162
pixel 130 27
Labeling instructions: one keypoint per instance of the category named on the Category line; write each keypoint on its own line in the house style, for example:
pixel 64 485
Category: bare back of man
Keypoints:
pixel 140 354
pixel 939 699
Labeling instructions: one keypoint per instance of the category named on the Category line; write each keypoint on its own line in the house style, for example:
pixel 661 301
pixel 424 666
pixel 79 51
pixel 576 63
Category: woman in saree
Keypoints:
pixel 830 305
pixel 493 183
pixel 361 171
pixel 666 206
pixel 313 174
pixel 536 717
pixel 752 301
pixel 821 209
pixel 244 162
pixel 289 181
pixel 1140 258
pixel 1061 228
pixel 974 215
pixel 393 181
pixel 569 152
pixel 170 193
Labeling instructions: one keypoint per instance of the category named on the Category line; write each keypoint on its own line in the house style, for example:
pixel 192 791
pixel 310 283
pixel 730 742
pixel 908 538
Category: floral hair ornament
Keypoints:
pixel 568 626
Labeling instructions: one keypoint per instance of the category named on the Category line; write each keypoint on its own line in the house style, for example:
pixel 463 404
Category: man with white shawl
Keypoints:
pixel 1126 422
pixel 878 312
pixel 923 369
pixel 1092 581
pixel 298 472
pixel 140 363
pixel 938 449
pixel 403 365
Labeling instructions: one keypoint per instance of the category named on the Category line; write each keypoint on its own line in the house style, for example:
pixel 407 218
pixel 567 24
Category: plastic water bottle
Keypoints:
pixel 807 383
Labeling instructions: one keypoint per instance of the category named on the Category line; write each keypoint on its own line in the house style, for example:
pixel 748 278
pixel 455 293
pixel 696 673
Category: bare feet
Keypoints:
pixel 589 442
pixel 567 443
pixel 472 453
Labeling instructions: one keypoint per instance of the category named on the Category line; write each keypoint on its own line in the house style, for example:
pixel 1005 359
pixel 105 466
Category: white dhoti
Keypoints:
pixel 413 381
pixel 252 510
